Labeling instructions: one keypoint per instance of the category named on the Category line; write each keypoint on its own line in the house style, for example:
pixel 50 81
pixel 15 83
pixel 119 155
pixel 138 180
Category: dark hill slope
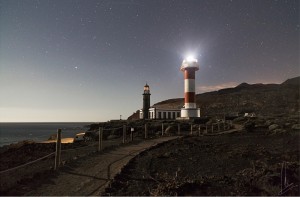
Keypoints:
pixel 264 99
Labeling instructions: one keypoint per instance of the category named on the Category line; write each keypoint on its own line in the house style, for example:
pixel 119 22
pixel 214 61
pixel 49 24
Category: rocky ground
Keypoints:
pixel 244 163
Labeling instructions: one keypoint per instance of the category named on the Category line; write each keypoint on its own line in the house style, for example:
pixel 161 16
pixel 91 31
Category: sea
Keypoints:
pixel 38 131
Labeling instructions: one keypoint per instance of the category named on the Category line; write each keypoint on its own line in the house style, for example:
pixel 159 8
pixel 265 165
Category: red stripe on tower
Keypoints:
pixel 189 97
pixel 189 73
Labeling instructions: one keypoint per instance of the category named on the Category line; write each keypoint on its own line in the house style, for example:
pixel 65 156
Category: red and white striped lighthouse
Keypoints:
pixel 189 67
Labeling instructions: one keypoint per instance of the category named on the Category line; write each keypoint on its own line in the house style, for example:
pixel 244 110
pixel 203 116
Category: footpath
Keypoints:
pixel 93 174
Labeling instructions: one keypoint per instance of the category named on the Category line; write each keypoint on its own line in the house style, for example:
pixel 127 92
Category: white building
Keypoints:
pixel 157 113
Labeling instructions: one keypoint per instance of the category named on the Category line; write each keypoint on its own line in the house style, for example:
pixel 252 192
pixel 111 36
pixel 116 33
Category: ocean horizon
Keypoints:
pixel 13 132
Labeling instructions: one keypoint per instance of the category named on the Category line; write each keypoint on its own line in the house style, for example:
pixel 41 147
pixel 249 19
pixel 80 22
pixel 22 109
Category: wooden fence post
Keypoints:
pixel 199 129
pixel 162 129
pixel 124 134
pixel 146 131
pixel 100 136
pixel 58 149
pixel 131 133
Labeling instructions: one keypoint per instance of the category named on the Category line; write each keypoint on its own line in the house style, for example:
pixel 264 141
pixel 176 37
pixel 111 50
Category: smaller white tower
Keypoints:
pixel 189 67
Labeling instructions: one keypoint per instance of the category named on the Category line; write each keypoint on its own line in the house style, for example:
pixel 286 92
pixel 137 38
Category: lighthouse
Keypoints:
pixel 189 67
pixel 146 102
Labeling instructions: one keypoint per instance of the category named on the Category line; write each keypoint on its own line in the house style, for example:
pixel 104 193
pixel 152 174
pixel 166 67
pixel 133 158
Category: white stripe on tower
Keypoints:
pixel 190 105
pixel 189 85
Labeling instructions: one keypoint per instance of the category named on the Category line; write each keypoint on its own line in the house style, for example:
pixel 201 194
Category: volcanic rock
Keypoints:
pixel 296 127
pixel 273 127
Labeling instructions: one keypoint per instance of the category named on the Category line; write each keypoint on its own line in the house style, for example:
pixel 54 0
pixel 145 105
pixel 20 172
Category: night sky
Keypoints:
pixel 88 60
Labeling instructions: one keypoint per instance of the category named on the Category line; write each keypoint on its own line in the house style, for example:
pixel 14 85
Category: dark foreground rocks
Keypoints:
pixel 25 152
pixel 236 164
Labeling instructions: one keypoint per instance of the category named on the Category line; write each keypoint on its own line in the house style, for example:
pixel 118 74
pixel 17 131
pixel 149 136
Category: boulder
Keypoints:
pixel 287 125
pixel 273 126
pixel 269 122
pixel 277 131
pixel 239 119
pixel 296 127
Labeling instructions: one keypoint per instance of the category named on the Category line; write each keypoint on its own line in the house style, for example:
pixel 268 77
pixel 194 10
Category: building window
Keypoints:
pixel 165 115
pixel 174 115
pixel 169 115
pixel 178 114
pixel 159 115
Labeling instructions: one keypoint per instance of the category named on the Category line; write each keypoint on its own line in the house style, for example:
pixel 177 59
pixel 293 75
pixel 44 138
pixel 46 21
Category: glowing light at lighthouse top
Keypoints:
pixel 189 62
pixel 146 89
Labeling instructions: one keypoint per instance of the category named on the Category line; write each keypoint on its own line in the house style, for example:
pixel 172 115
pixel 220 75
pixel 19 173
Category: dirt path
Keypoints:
pixel 91 176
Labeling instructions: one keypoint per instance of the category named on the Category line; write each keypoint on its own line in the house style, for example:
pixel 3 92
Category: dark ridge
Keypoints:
pixel 243 85
pixel 168 101
pixel 293 81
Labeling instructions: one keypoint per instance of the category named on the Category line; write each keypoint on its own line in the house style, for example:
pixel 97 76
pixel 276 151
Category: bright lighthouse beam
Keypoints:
pixel 191 59
pixel 189 62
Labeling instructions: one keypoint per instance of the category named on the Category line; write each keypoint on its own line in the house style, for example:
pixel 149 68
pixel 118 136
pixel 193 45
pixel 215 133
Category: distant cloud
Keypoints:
pixel 202 89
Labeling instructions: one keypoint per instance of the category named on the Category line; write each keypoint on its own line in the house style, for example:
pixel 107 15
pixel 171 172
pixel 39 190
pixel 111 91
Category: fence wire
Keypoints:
pixel 26 164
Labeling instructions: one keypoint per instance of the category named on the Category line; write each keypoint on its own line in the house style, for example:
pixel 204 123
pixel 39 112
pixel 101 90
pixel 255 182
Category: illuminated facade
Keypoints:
pixel 159 113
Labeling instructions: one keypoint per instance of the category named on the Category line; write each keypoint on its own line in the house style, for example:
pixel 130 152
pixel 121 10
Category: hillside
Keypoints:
pixel 262 99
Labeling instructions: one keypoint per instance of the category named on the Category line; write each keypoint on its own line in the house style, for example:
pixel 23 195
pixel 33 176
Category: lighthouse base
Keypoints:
pixel 190 112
